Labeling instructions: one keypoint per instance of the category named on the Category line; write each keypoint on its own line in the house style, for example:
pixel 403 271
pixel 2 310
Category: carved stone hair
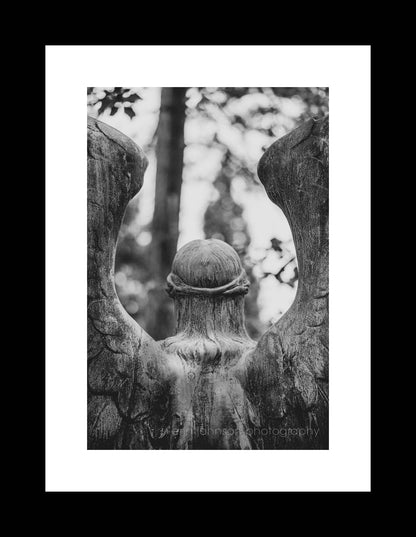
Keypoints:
pixel 209 268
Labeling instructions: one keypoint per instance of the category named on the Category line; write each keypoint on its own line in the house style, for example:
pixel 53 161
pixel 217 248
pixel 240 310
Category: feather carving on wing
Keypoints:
pixel 287 374
pixel 127 371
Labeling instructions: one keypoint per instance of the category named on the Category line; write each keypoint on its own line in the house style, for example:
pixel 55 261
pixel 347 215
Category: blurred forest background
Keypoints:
pixel 203 146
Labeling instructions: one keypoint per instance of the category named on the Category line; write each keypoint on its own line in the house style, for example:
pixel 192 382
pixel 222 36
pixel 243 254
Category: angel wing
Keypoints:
pixel 286 376
pixel 128 374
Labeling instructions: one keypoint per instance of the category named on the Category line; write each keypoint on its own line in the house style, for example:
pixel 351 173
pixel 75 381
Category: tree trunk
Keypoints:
pixel 165 225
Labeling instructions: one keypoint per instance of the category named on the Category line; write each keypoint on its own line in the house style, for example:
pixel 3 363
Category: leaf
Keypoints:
pixel 275 244
pixel 129 111
pixel 106 102
pixel 131 98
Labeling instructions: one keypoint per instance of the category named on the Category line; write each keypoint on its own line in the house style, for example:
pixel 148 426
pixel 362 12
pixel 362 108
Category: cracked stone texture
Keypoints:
pixel 144 394
pixel 287 374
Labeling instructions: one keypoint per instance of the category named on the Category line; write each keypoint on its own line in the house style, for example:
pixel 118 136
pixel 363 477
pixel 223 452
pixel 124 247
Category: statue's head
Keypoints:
pixel 210 268
pixel 208 284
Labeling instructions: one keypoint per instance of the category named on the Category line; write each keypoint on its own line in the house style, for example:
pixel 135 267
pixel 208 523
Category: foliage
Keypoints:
pixel 113 99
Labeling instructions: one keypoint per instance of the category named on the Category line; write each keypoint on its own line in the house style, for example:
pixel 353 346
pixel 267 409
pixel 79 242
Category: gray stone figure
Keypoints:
pixel 210 386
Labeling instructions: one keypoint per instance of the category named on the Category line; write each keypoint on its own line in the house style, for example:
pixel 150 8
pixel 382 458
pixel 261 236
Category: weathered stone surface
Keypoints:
pixel 209 386
pixel 287 374
pixel 120 353
pixel 208 285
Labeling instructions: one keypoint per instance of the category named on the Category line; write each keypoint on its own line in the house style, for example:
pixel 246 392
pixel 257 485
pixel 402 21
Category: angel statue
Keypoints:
pixel 209 385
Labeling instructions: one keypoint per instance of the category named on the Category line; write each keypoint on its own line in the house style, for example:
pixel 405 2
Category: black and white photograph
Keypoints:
pixel 208 268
